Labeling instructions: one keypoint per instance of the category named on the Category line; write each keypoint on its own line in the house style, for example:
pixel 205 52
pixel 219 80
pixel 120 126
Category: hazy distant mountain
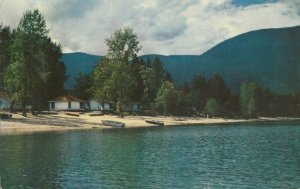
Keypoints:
pixel 270 57
pixel 77 63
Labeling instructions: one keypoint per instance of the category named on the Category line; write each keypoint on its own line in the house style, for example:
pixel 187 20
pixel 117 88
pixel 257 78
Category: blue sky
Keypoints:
pixel 163 26
pixel 251 2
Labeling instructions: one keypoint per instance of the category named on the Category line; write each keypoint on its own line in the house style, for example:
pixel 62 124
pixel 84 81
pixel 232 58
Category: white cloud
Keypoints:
pixel 163 26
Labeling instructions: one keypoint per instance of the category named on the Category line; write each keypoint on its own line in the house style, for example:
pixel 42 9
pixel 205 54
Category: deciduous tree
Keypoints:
pixel 114 80
pixel 164 95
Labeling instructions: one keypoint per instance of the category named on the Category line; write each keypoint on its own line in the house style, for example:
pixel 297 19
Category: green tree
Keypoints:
pixel 149 77
pixel 185 88
pixel 5 42
pixel 152 76
pixel 212 107
pixel 55 72
pixel 297 103
pixel 199 92
pixel 248 99
pixel 184 99
pixel 122 47
pixel 218 90
pixel 165 95
pixel 83 85
pixel 137 66
pixel 26 73
pixel 168 77
pixel 159 72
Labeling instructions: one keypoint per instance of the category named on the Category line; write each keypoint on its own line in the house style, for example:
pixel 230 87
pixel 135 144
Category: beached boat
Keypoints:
pixel 155 122
pixel 5 116
pixel 96 114
pixel 113 123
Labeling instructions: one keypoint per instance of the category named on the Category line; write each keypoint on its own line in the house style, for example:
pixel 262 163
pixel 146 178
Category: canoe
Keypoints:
pixel 113 123
pixel 5 116
pixel 155 122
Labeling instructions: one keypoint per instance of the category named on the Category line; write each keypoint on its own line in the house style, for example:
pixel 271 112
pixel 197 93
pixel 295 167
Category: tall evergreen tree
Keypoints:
pixel 185 88
pixel 27 74
pixel 5 42
pixel 137 66
pixel 199 92
pixel 218 90
pixel 152 79
pixel 168 77
pixel 149 83
pixel 55 71
pixel 83 85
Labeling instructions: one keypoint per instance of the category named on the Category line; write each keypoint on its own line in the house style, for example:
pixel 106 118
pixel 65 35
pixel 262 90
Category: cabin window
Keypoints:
pixel 81 104
pixel 1 102
pixel 52 105
pixel 88 105
pixel 69 104
pixel 110 106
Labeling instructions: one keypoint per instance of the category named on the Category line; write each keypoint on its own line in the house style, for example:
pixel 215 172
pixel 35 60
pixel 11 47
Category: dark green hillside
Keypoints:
pixel 270 57
pixel 78 63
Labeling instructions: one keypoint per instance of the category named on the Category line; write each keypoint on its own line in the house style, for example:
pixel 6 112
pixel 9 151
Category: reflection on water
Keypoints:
pixel 181 157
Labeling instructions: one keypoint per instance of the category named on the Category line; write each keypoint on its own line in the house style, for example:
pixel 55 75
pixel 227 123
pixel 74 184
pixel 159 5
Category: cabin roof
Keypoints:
pixel 67 98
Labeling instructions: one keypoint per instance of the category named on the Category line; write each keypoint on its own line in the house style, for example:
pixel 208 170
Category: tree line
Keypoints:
pixel 121 77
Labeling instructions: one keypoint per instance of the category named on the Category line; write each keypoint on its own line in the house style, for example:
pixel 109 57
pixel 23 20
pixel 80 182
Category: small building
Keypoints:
pixel 67 102
pixel 4 101
pixel 132 107
pixel 99 106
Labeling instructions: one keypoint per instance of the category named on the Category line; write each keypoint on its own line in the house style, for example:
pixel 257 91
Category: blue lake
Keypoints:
pixel 249 156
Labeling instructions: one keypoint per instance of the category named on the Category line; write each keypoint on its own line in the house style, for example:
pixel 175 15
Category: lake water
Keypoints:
pixel 252 156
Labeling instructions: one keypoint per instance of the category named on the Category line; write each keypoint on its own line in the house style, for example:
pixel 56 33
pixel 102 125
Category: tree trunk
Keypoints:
pixel 11 107
pixel 23 106
pixel 24 110
pixel 120 109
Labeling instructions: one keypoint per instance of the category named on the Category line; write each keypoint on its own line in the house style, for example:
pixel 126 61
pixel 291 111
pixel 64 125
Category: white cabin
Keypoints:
pixel 132 107
pixel 4 101
pixel 98 106
pixel 67 102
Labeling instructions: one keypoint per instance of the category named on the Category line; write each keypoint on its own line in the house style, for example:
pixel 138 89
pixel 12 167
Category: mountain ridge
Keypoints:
pixel 268 56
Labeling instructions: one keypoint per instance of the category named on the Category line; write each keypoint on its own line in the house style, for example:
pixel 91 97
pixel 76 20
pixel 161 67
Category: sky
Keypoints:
pixel 163 26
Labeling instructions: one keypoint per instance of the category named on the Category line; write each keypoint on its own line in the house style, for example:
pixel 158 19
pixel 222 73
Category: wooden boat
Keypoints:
pixel 5 116
pixel 96 114
pixel 155 122
pixel 113 123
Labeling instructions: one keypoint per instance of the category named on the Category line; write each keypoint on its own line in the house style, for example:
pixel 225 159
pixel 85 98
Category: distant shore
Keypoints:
pixel 62 122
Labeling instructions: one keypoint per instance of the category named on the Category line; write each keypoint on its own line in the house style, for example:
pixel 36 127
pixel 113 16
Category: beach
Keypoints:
pixel 62 122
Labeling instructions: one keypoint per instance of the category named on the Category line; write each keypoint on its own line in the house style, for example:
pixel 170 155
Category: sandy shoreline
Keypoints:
pixel 61 122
